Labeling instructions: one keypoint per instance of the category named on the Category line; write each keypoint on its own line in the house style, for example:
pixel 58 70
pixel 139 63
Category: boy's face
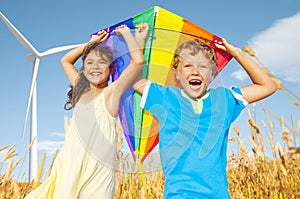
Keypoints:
pixel 194 73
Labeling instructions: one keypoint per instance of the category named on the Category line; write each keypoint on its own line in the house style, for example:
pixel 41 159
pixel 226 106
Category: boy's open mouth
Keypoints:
pixel 195 83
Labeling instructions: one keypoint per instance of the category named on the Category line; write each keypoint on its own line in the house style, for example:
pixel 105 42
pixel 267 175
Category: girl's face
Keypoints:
pixel 96 69
pixel 194 73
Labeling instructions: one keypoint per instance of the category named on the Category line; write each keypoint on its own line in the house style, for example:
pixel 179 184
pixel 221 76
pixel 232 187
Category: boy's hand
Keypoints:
pixel 231 49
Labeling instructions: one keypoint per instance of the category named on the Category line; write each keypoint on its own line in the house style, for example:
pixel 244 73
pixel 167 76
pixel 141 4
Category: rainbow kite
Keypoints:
pixel 167 32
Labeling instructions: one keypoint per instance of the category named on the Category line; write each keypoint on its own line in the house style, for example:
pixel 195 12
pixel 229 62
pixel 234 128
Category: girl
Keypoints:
pixel 85 166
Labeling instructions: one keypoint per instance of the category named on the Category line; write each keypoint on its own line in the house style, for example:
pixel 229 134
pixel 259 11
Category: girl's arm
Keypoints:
pixel 140 82
pixel 69 59
pixel 262 86
pixel 132 72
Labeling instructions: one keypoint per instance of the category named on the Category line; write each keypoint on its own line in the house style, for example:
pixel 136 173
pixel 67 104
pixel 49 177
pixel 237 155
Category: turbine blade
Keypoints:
pixel 18 35
pixel 58 49
pixel 33 82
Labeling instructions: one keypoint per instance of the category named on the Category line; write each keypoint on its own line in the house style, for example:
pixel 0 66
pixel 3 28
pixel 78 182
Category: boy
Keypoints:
pixel 194 121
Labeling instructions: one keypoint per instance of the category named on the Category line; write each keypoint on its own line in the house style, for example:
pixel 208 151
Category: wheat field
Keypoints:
pixel 251 174
pixel 251 171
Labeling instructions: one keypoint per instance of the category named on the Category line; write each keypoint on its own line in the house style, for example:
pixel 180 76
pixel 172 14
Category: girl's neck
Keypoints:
pixel 97 88
pixel 90 95
pixel 95 91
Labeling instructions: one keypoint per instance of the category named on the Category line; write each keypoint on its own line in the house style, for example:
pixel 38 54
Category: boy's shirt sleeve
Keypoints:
pixel 236 92
pixel 241 103
pixel 152 95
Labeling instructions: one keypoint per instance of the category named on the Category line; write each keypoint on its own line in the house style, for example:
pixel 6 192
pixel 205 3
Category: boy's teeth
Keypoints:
pixel 195 82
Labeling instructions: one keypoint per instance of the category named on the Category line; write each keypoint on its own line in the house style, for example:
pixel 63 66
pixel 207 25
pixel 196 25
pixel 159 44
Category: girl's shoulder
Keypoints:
pixel 110 87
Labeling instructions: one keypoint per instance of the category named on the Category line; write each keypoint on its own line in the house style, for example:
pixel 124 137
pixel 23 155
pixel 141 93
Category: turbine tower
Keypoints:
pixel 35 58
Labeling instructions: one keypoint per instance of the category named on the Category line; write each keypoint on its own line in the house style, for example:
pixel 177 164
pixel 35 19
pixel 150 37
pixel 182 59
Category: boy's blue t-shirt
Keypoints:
pixel 193 142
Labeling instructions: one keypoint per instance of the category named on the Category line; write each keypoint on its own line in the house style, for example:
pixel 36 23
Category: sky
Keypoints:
pixel 271 28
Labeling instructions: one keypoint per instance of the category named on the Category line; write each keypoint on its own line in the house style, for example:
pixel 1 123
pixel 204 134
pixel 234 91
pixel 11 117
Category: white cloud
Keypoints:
pixel 57 135
pixel 49 147
pixel 278 48
pixel 240 75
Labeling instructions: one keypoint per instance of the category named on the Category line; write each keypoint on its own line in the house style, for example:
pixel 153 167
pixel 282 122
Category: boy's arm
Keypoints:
pixel 262 86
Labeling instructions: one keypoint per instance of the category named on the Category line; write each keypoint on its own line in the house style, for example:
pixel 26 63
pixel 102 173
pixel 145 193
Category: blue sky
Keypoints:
pixel 271 28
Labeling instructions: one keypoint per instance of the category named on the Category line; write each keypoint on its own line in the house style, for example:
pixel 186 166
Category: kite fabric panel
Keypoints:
pixel 166 32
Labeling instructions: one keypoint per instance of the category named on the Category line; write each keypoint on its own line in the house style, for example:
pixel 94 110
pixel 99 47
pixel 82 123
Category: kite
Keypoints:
pixel 167 31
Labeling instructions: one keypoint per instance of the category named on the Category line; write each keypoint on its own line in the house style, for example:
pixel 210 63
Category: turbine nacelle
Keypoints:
pixel 51 51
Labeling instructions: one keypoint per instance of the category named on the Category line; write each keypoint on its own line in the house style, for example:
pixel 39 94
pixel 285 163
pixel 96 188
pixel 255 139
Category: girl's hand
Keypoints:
pixel 141 32
pixel 121 30
pixel 100 37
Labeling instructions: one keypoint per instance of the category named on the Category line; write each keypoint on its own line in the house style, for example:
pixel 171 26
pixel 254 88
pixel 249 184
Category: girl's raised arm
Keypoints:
pixel 132 72
pixel 69 59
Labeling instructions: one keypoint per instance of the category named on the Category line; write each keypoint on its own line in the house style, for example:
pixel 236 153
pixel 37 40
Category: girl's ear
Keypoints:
pixel 112 70
pixel 82 67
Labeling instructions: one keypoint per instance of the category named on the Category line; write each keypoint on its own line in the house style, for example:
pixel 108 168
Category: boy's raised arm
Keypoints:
pixel 262 86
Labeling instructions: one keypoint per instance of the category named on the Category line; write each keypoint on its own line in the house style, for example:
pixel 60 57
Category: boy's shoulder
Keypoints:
pixel 218 90
pixel 166 87
pixel 224 92
pixel 233 93
pixel 225 89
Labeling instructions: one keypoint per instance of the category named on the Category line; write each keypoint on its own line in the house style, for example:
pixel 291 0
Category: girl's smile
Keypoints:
pixel 96 69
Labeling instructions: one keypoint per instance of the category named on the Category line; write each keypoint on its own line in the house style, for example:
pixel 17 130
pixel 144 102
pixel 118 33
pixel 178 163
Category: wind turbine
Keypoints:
pixel 35 58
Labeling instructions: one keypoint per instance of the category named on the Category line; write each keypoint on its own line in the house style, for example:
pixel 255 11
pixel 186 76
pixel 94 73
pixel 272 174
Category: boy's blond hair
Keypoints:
pixel 195 47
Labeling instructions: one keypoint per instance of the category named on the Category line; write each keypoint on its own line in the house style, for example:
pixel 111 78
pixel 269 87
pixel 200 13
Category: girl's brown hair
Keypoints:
pixel 82 85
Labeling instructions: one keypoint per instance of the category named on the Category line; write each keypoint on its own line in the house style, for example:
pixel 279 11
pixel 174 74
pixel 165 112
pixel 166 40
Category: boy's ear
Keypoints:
pixel 214 73
pixel 212 76
pixel 176 73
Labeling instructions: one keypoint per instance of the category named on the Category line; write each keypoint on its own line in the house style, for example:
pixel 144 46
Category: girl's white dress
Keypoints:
pixel 84 167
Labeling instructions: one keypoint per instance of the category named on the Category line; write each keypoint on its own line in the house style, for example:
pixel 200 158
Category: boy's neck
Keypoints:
pixel 204 95
pixel 196 104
